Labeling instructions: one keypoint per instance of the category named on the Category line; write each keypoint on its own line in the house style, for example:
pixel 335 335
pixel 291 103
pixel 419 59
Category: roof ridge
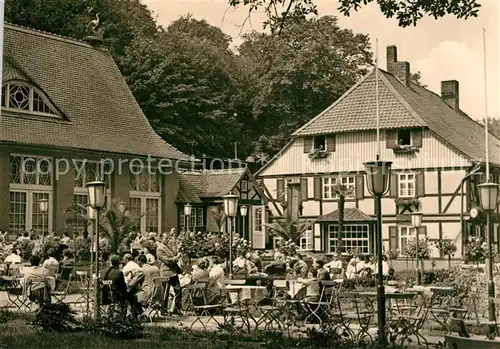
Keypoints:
pixel 348 92
pixel 49 35
pixel 400 98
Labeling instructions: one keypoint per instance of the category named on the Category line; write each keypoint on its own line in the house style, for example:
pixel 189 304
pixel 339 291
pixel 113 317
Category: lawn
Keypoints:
pixel 17 334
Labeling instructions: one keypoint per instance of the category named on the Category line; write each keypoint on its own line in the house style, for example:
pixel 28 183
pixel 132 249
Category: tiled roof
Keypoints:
pixel 402 107
pixel 350 215
pixel 87 87
pixel 195 186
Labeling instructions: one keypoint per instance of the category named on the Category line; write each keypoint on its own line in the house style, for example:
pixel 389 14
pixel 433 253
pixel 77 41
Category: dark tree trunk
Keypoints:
pixel 340 235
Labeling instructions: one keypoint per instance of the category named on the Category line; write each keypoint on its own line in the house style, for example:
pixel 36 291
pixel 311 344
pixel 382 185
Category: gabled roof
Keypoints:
pixel 85 84
pixel 401 106
pixel 350 215
pixel 195 186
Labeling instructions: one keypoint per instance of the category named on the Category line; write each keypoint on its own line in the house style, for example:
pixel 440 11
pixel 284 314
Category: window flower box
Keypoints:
pixel 318 154
pixel 413 203
pixel 405 149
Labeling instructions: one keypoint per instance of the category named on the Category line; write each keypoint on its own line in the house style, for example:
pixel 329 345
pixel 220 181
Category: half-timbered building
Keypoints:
pixel 434 147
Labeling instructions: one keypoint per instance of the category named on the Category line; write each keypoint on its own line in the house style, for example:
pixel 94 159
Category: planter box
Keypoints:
pixel 456 342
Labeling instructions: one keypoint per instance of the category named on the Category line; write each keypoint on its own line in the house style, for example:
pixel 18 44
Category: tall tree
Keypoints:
pixel 184 83
pixel 407 12
pixel 292 77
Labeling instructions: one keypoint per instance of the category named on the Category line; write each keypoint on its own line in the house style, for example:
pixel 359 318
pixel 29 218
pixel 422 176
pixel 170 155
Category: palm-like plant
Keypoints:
pixel 289 230
pixel 113 224
pixel 342 191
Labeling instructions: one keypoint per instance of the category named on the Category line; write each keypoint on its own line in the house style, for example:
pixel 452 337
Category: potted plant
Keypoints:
pixel 423 252
pixel 318 153
pixel 447 249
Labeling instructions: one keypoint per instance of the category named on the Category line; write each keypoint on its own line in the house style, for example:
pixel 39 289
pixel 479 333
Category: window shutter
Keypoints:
pixel 308 142
pixel 330 143
pixel 303 189
pixel 420 184
pixel 391 139
pixel 416 136
pixel 317 188
pixel 280 188
pixel 394 186
pixel 393 238
pixel 360 187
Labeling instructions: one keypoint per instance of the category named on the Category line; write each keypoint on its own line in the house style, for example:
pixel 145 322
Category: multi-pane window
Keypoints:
pixel 355 237
pixel 88 171
pixel 406 234
pixel 30 170
pixel 25 98
pixel 143 180
pixel 146 210
pixel 195 221
pixel 24 211
pixel 79 223
pixel 306 241
pixel 330 184
pixel 406 185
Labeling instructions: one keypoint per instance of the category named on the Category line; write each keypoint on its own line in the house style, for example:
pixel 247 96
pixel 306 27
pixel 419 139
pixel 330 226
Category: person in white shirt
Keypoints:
pixel 385 267
pixel 350 271
pixel 130 268
pixel 216 275
pixel 13 257
pixel 52 265
pixel 335 263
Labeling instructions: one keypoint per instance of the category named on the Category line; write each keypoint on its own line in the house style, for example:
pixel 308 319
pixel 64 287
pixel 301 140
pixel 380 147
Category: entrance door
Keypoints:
pixel 258 229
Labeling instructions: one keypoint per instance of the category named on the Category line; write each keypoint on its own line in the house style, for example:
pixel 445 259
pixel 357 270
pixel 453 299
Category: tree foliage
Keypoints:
pixel 407 12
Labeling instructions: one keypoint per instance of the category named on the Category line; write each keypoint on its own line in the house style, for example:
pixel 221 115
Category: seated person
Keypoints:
pixel 118 291
pixel 300 267
pixel 350 271
pixel 334 264
pixel 216 275
pixel 257 261
pixel 149 256
pixel 13 257
pixel 143 283
pixel 385 267
pixel 313 292
pixel 323 274
pixel 68 259
pixel 363 269
pixel 242 267
pixel 52 265
pixel 36 282
pixel 276 267
pixel 200 272
pixel 130 268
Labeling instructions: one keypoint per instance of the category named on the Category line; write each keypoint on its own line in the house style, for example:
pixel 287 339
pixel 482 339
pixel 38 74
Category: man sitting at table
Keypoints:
pixel 335 263
pixel 363 269
pixel 130 268
pixel 200 271
pixel 13 257
pixel 385 267
pixel 276 267
pixel 36 282
pixel 300 267
pixel 144 283
pixel 323 274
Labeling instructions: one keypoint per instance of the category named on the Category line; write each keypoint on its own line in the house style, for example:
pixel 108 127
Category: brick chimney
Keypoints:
pixel 450 94
pixel 399 69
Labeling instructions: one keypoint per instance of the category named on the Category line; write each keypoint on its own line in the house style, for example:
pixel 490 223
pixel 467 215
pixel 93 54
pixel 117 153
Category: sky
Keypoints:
pixel 442 49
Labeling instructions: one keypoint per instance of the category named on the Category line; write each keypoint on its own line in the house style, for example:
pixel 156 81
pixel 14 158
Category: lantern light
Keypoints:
pixel 230 204
pixel 91 213
pixel 416 219
pixel 43 205
pixel 187 210
pixel 243 210
pixel 378 176
pixel 96 191
pixel 488 196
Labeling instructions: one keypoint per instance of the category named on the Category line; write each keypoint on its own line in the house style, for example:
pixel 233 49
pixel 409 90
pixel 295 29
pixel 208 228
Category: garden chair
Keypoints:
pixel 271 314
pixel 234 310
pixel 16 294
pixel 154 305
pixel 206 310
pixel 321 309
pixel 362 312
pixel 191 293
pixel 62 283
pixel 85 288
pixel 441 306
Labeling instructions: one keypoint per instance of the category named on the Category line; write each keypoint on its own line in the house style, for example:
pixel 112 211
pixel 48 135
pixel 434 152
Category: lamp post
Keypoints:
pixel 488 198
pixel 91 214
pixel 96 191
pixel 230 205
pixel 378 176
pixel 243 213
pixel 416 221
pixel 187 214
pixel 43 205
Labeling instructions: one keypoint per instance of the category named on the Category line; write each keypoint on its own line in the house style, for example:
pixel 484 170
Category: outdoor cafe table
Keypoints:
pixel 247 294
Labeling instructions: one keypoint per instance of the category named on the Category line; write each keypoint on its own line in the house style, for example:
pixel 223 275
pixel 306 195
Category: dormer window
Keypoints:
pixel 22 97
pixel 404 137
pixel 319 142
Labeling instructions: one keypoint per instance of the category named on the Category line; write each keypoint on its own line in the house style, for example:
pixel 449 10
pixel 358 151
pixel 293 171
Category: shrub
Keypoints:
pixel 54 317
pixel 5 316
pixel 115 323
pixel 51 247
pixel 26 249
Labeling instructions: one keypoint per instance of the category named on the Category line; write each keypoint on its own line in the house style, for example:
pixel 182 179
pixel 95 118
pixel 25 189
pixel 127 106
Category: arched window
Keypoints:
pixel 22 97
